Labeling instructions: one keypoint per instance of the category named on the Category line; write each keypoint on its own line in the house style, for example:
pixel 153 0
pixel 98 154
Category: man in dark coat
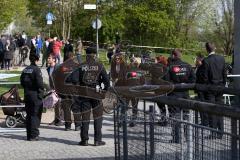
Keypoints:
pixel 214 73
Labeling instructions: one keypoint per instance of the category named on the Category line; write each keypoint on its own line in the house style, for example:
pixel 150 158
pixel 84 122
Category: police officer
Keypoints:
pixel 32 82
pixel 90 74
pixel 179 72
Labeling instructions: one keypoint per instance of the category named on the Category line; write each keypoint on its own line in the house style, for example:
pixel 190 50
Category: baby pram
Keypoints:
pixel 15 115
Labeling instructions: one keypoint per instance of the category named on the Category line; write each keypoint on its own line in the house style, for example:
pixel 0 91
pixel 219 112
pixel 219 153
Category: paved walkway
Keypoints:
pixel 55 143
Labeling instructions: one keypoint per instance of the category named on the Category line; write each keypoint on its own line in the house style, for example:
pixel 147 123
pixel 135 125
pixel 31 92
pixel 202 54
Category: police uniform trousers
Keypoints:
pixel 205 117
pixel 34 107
pixel 175 112
pixel 68 107
pixel 86 105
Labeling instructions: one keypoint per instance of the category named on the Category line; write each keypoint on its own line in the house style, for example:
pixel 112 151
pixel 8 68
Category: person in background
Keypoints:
pixel 45 52
pixel 8 54
pixel 33 45
pixel 110 53
pixel 118 70
pixel 23 55
pixel 79 50
pixel 133 67
pixel 57 108
pixel 67 106
pixel 32 82
pixel 39 45
pixel 1 54
pixel 68 48
pixel 24 36
pixel 57 45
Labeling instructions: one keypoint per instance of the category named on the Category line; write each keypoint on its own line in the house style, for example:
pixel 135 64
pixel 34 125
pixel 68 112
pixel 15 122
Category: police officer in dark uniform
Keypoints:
pixel 32 82
pixel 90 74
pixel 179 72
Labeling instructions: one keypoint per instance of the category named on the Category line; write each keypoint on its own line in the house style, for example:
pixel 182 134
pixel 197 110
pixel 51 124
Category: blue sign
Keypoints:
pixel 49 16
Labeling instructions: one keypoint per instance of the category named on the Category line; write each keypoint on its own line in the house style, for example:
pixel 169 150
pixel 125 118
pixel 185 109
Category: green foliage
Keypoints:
pixel 9 11
pixel 166 23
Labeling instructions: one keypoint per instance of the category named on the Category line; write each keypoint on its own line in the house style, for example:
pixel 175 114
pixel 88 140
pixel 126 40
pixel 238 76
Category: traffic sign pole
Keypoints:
pixel 95 24
pixel 97 47
pixel 49 18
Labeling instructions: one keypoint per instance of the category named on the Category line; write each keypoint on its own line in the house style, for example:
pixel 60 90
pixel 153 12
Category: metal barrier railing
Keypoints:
pixel 184 136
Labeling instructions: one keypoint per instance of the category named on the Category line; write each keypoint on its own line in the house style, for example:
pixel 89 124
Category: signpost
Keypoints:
pixel 49 18
pixel 90 6
pixel 96 24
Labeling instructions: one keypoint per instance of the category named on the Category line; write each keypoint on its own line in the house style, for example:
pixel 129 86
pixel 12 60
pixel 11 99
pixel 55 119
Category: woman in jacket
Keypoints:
pixel 8 55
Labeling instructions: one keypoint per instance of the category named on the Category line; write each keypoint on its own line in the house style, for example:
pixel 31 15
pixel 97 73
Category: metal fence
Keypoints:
pixel 184 135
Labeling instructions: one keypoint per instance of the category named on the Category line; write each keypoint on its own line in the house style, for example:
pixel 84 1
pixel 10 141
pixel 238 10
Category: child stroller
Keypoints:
pixel 15 115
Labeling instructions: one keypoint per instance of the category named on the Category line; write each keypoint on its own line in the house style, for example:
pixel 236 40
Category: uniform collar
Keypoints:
pixel 34 64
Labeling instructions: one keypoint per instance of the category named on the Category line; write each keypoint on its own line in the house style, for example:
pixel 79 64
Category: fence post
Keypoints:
pixel 145 128
pixel 234 149
pixel 196 138
pixel 152 117
pixel 190 137
pixel 124 125
pixel 116 132
pixel 238 140
pixel 181 134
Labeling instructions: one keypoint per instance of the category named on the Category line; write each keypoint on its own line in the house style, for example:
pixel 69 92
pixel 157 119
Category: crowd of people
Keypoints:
pixel 91 73
pixel 209 70
pixel 13 50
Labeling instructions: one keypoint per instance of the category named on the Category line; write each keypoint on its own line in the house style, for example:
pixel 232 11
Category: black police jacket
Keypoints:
pixel 90 74
pixel 181 72
pixel 31 80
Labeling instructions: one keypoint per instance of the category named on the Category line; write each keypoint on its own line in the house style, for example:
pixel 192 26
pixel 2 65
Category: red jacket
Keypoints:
pixel 57 47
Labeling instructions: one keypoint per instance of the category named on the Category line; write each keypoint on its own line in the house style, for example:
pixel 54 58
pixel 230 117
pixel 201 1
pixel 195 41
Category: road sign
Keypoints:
pixel 49 22
pixel 97 25
pixel 90 6
pixel 49 16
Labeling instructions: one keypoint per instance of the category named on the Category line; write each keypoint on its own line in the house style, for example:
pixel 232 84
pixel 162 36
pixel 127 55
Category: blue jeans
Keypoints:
pixel 38 50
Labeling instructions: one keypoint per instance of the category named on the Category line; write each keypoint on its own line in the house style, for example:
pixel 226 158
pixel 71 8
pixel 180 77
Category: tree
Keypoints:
pixel 217 26
pixel 225 25
pixel 10 9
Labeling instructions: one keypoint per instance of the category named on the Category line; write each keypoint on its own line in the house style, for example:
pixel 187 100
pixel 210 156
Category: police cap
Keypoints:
pixel 91 50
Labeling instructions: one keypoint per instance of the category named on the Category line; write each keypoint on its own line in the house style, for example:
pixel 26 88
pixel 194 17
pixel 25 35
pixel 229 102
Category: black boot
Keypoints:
pixel 83 143
pixel 77 126
pixel 67 126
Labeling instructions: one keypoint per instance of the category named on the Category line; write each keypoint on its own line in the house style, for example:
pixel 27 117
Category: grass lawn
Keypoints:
pixel 5 87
